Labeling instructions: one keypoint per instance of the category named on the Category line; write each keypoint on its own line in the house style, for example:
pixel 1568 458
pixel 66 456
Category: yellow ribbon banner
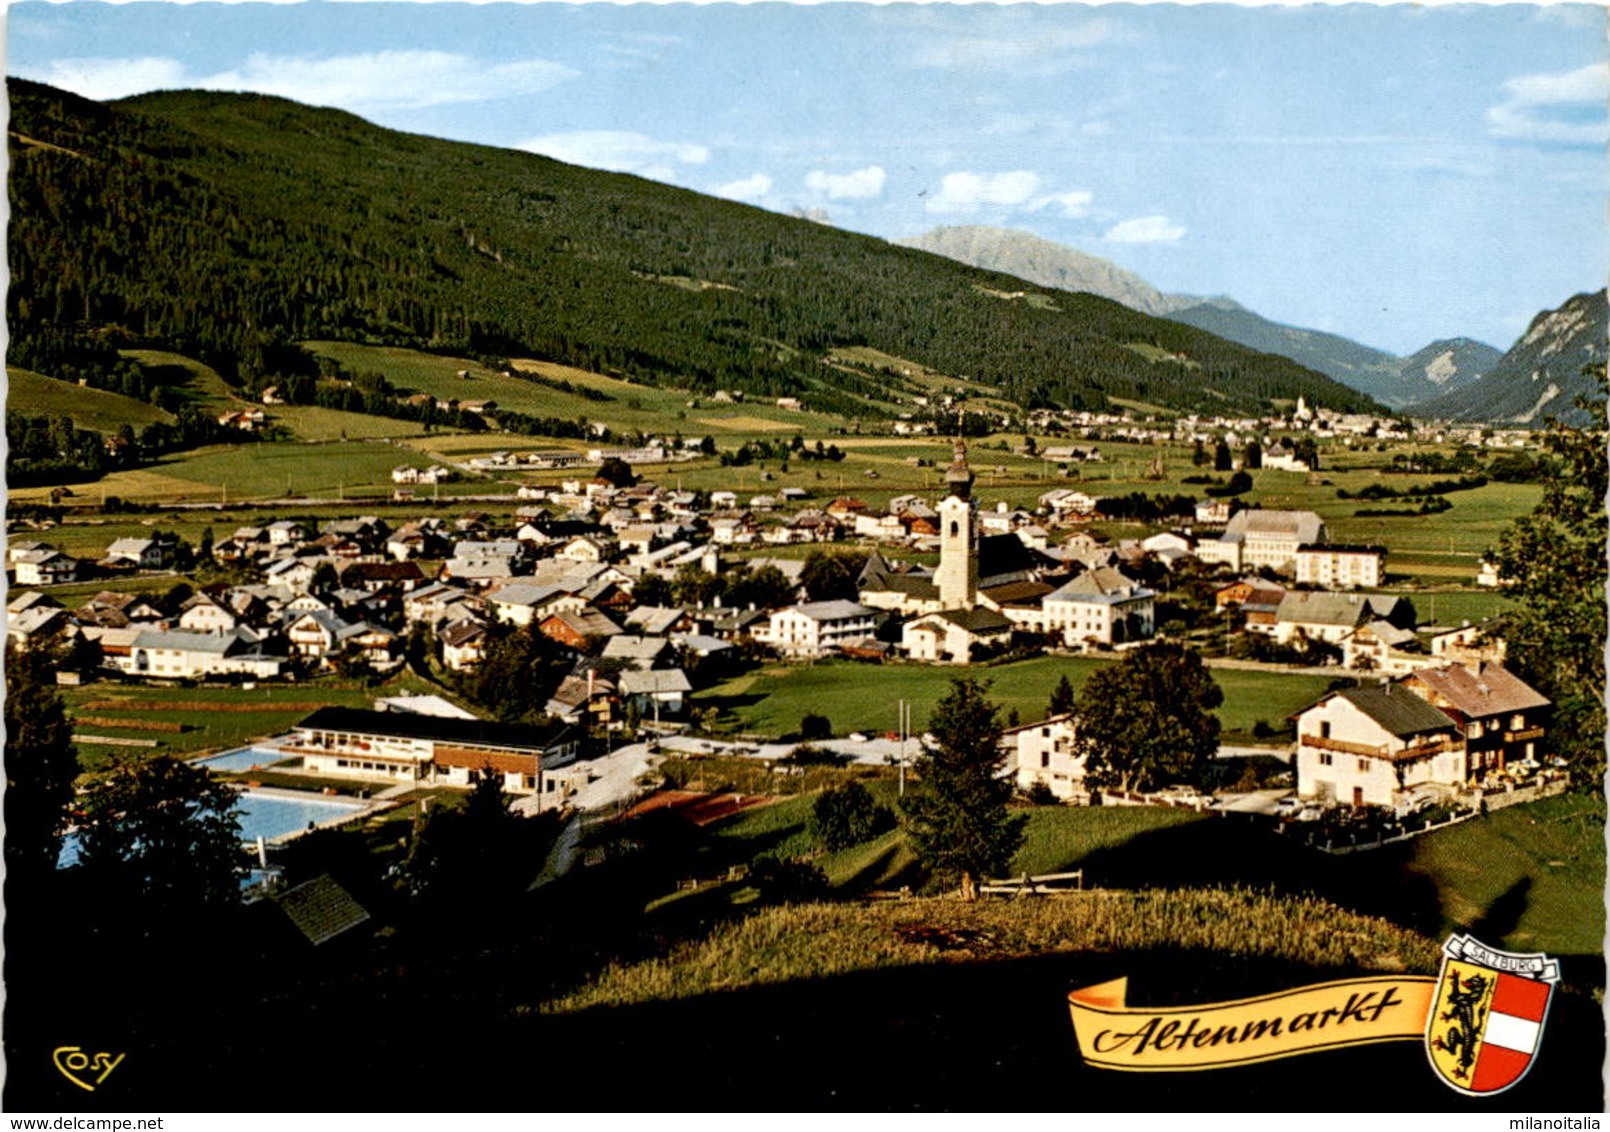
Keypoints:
pixel 1348 1012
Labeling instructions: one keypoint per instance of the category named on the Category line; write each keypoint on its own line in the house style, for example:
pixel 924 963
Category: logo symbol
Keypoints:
pixel 1486 1020
pixel 85 1070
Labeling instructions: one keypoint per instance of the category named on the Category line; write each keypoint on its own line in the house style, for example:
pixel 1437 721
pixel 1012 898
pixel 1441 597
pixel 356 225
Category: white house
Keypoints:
pixel 950 634
pixel 1043 755
pixel 1100 605
pixel 1340 567
pixel 1367 746
pixel 45 567
pixel 1257 538
pixel 186 656
pixel 817 627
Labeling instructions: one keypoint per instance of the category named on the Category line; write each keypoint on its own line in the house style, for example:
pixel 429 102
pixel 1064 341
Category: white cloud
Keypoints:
pixel 1074 204
pixel 619 150
pixel 1019 46
pixel 1016 191
pixel 1145 230
pixel 748 189
pixel 379 80
pixel 966 192
pixel 1567 107
pixel 859 185
pixel 106 79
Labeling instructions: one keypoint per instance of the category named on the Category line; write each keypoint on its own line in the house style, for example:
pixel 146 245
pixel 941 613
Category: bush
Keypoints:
pixel 788 882
pixel 1040 794
pixel 814 726
pixel 848 815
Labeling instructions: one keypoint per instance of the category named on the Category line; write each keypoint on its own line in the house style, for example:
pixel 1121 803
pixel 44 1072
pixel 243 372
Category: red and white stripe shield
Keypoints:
pixel 1514 1029
pixel 1486 1022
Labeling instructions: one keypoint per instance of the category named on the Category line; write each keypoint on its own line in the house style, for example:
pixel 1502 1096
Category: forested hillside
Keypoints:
pixel 229 227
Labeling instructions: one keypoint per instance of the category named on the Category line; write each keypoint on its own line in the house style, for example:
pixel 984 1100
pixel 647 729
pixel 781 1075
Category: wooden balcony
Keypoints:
pixel 1523 736
pixel 1344 747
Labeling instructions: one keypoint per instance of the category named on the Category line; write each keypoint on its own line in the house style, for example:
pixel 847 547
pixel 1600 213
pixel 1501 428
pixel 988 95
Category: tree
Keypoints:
pixel 1147 721
pixel 1554 562
pixel 651 589
pixel 41 764
pixel 848 815
pixel 957 812
pixel 1199 454
pixel 828 576
pixel 1221 456
pixel 617 472
pixel 161 836
pixel 1252 456
pixel 1061 697
pixel 813 726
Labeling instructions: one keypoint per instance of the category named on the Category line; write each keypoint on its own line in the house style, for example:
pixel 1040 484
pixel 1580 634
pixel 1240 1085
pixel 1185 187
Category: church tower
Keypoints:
pixel 957 576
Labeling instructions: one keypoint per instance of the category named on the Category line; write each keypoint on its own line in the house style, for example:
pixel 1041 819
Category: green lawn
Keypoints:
pixel 857 697
pixel 268 470
pixel 310 422
pixel 273 708
pixel 35 395
pixel 1059 838
pixel 1531 876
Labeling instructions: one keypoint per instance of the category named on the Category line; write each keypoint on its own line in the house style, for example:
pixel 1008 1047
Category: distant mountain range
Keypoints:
pixel 1400 382
pixel 1542 374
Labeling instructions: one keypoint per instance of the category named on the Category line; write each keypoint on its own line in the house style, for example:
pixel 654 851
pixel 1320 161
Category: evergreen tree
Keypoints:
pixel 957 812
pixel 1061 697
pixel 1222 460
pixel 41 765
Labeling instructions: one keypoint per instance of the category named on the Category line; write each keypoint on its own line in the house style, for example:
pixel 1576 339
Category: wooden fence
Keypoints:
pixel 1043 885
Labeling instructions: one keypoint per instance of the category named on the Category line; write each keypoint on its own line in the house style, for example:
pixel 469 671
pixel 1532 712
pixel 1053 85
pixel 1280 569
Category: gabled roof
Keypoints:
pixel 1398 710
pixel 979 620
pixel 839 610
pixel 1102 584
pixel 1322 608
pixel 1304 526
pixel 654 681
pixel 321 909
pixel 918 586
pixel 1490 689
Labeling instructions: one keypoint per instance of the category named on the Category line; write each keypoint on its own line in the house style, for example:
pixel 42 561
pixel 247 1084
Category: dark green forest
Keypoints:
pixel 229 227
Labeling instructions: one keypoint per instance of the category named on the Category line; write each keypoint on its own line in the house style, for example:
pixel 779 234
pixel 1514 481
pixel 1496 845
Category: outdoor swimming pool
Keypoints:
pixel 264 815
pixel 242 758
pixel 274 815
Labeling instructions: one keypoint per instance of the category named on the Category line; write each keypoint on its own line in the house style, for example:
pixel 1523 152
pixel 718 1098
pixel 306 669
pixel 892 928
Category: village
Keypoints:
pixel 642 597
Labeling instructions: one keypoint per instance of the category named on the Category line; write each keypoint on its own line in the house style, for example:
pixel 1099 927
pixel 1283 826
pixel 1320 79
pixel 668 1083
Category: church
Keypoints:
pixel 988 586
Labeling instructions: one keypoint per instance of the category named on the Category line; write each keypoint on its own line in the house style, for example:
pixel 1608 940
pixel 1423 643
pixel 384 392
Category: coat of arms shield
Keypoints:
pixel 1486 1021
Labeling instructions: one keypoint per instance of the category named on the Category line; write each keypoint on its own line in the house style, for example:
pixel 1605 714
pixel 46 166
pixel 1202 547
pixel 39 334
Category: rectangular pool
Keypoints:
pixel 242 758
pixel 269 816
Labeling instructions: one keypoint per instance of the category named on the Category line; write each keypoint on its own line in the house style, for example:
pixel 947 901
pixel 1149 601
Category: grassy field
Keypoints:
pixel 633 407
pixel 858 697
pixel 310 422
pixel 199 384
pixel 213 718
pixel 1059 838
pixel 35 395
pixel 1531 877
pixel 815 941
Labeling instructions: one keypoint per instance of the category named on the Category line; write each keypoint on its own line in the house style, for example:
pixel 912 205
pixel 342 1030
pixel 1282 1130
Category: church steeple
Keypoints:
pixel 957 576
pixel 959 477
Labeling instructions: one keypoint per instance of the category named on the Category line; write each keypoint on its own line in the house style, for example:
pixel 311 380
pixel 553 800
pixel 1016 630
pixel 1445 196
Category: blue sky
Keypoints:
pixel 1396 174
